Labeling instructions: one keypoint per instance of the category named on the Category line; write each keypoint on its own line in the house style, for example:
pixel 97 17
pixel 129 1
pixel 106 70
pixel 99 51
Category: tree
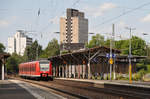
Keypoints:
pixel 2 48
pixel 138 46
pixel 31 52
pixel 51 50
pixel 13 63
pixel 122 45
pixel 107 43
pixel 97 40
pixel 148 51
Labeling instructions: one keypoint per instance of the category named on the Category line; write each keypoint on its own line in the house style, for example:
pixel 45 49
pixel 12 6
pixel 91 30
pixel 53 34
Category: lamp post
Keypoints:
pixel 62 42
pixel 146 44
pixel 130 64
pixel 91 33
pixel 59 46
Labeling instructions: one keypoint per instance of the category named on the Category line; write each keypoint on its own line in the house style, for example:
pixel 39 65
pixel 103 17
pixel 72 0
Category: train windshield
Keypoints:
pixel 44 66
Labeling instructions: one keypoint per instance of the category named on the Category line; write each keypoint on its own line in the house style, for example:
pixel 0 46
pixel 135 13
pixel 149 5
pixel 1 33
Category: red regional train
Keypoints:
pixel 37 69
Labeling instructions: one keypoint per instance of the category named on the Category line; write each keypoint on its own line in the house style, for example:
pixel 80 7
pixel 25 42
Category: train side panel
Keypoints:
pixel 37 73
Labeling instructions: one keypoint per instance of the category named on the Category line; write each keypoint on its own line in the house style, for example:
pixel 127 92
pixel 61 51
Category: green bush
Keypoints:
pixel 142 72
pixel 148 68
pixel 108 77
pixel 96 77
pixel 93 77
pixel 139 75
pixel 99 77
pixel 121 77
pixel 141 66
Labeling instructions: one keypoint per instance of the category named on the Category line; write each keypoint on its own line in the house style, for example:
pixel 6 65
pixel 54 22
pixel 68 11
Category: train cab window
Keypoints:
pixel 44 66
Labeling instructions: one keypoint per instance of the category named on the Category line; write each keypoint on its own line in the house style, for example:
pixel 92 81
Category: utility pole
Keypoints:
pixel 130 54
pixel 146 44
pixel 111 60
pixel 63 43
pixel 113 45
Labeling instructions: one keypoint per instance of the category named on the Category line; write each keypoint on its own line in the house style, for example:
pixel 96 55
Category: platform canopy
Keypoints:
pixel 4 56
pixel 82 56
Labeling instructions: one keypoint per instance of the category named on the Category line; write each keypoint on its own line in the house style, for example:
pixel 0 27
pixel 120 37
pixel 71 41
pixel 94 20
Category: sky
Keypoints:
pixel 101 14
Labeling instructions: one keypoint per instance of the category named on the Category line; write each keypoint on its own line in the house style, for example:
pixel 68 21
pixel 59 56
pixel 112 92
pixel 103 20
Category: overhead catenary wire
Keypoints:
pixel 122 14
pixel 124 7
pixel 39 13
pixel 63 12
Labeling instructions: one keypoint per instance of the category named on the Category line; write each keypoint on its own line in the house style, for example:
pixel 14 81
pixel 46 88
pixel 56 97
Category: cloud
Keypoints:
pixel 107 6
pixel 7 22
pixel 54 20
pixel 99 10
pixel 146 18
pixel 122 24
pixel 4 23
pixel 13 18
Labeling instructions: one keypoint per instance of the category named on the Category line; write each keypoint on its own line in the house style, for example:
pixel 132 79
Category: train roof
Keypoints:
pixel 36 61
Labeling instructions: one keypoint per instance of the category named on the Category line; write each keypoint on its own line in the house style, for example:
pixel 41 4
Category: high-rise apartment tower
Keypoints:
pixel 74 28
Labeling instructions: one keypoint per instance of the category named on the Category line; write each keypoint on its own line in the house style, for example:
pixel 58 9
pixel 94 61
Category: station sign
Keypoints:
pixel 108 55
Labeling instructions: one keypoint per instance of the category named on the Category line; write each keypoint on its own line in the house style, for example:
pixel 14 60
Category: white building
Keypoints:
pixel 18 43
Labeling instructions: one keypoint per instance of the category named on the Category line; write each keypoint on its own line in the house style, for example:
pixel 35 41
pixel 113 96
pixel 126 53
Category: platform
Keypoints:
pixel 113 82
pixel 10 90
pixel 15 89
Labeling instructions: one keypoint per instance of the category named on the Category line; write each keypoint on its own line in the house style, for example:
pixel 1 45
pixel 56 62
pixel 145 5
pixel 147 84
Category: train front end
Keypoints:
pixel 46 70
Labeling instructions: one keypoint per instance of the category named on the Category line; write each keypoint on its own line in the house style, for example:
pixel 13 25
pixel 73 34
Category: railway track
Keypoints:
pixel 81 90
pixel 53 88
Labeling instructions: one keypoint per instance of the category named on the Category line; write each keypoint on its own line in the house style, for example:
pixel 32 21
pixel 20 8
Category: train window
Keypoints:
pixel 44 66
